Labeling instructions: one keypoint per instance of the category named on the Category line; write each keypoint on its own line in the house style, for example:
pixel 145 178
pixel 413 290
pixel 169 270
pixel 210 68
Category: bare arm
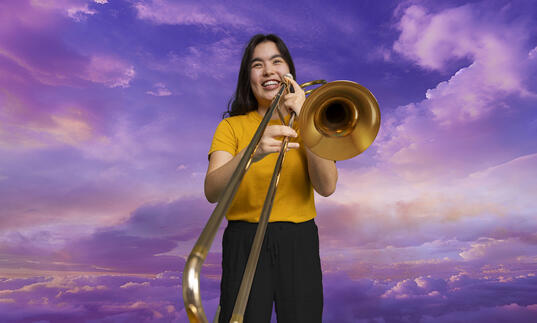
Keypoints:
pixel 221 167
pixel 323 173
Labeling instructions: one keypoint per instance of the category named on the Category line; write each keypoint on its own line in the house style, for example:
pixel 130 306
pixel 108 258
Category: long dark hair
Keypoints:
pixel 244 100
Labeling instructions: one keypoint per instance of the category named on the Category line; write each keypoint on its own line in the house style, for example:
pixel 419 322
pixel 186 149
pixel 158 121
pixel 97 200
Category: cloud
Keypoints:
pixel 155 238
pixel 161 219
pixel 78 10
pixel 497 51
pixel 379 226
pixel 34 51
pixel 443 161
pixel 98 298
pixel 188 13
pixel 459 127
pixel 506 313
pixel 413 300
pixel 70 127
pixel 109 71
pixel 488 199
pixel 160 90
pixel 154 298
pixel 491 250
pixel 204 61
pixel 60 192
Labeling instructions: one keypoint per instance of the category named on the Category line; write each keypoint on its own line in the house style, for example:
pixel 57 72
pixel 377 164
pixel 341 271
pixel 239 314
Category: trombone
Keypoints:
pixel 338 121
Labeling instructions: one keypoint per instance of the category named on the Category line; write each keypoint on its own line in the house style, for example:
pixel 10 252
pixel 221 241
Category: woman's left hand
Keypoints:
pixel 294 101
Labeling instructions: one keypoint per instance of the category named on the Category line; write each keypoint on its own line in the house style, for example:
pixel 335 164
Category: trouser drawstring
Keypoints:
pixel 272 247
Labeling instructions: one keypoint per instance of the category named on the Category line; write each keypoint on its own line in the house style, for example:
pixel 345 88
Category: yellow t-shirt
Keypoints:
pixel 293 201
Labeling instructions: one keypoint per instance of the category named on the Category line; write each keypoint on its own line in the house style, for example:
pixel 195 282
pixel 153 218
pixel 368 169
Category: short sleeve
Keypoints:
pixel 224 139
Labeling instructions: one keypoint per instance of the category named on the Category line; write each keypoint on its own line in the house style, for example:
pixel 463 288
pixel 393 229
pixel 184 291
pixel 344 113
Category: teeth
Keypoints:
pixel 268 83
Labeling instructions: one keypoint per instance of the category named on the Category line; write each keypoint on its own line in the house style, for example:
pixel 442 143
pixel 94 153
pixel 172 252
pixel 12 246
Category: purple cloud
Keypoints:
pixel 99 298
pixel 160 90
pixel 185 13
pixel 37 49
pixel 141 244
pixel 425 298
pixel 155 299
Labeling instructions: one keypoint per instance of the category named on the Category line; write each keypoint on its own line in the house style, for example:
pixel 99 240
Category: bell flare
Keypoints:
pixel 339 120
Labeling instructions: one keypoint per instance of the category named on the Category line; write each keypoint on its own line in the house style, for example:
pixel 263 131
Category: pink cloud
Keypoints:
pixel 64 128
pixel 77 10
pixel 110 71
pixel 494 251
pixel 383 207
pixel 31 43
pixel 23 13
pixel 418 287
pixel 498 52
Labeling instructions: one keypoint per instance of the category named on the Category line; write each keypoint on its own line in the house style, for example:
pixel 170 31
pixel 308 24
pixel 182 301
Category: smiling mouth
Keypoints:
pixel 270 84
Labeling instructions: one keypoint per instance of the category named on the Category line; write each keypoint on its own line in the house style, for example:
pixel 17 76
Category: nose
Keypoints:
pixel 268 70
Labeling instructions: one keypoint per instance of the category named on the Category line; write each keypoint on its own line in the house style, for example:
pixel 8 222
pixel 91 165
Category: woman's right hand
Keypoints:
pixel 222 164
pixel 270 143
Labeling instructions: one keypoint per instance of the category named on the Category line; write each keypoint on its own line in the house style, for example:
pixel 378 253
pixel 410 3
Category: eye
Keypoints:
pixel 277 61
pixel 256 65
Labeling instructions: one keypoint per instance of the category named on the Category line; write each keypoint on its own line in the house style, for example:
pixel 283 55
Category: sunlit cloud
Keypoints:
pixel 67 128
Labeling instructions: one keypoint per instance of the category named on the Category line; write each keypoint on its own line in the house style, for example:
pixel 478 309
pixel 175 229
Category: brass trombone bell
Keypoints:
pixel 339 120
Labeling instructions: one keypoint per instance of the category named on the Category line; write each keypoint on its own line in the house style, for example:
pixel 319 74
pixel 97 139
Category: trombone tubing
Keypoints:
pixel 248 276
pixel 191 273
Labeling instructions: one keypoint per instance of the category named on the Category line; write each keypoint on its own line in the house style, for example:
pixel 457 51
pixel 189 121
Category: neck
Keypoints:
pixel 263 109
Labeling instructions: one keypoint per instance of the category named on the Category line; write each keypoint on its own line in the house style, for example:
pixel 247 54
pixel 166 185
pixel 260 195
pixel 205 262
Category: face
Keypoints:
pixel 267 68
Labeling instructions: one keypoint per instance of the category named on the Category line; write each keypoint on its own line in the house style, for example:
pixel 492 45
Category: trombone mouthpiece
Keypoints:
pixel 290 77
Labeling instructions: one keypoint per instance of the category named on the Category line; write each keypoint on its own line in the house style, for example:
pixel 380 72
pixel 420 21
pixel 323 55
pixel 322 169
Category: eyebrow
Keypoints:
pixel 257 59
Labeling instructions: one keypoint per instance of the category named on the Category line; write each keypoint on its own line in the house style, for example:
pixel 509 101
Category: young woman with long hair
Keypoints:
pixel 288 273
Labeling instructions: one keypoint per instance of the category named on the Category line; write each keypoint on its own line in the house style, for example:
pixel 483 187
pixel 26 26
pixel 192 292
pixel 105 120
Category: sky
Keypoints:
pixel 107 112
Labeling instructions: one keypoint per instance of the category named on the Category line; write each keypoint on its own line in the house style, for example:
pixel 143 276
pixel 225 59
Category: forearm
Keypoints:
pixel 323 173
pixel 217 179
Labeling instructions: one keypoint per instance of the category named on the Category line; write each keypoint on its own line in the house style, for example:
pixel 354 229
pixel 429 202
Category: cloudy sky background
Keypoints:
pixel 107 110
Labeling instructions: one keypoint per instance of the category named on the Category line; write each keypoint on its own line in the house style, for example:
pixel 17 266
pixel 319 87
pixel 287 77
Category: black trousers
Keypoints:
pixel 288 272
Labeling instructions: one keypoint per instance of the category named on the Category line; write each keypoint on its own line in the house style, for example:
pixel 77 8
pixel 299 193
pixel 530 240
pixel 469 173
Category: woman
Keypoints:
pixel 288 272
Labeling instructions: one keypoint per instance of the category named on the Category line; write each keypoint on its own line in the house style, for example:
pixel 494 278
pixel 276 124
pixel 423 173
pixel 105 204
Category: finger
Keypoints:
pixel 295 85
pixel 280 130
pixel 286 131
pixel 293 145
pixel 273 143
pixel 289 96
pixel 268 149
pixel 291 100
